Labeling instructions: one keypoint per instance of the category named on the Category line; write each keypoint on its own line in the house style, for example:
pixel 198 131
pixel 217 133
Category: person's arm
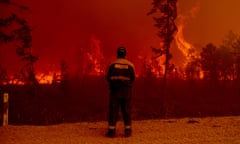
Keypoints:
pixel 109 73
pixel 133 74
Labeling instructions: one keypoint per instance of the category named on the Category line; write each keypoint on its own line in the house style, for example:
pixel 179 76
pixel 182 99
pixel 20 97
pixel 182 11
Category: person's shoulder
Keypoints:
pixel 114 62
pixel 129 62
pixel 122 61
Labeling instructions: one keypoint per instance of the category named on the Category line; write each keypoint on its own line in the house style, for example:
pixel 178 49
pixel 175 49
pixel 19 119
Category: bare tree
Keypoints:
pixel 209 62
pixel 166 13
pixel 22 38
pixel 217 62
pixel 64 71
pixel 236 54
pixel 232 42
pixel 193 69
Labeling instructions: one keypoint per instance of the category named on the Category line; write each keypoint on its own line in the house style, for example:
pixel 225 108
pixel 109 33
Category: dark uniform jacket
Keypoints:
pixel 121 73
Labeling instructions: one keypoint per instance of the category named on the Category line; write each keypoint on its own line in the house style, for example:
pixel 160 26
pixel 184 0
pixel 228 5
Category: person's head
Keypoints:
pixel 121 52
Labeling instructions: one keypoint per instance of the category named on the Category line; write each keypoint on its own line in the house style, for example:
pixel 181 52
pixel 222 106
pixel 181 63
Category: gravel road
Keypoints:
pixel 210 130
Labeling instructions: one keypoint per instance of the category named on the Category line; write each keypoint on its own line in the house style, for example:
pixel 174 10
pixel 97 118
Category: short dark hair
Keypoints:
pixel 121 52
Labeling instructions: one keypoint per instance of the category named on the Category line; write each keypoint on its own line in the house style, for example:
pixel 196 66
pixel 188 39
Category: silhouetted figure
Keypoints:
pixel 121 74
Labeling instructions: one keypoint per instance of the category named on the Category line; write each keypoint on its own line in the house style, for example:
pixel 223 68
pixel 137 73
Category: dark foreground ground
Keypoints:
pixel 86 99
pixel 209 130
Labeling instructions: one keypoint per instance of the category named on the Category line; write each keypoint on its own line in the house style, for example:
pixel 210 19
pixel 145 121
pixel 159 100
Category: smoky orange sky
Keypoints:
pixel 61 28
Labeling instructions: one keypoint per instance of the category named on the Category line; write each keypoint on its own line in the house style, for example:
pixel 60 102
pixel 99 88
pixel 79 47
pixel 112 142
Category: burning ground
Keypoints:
pixel 211 130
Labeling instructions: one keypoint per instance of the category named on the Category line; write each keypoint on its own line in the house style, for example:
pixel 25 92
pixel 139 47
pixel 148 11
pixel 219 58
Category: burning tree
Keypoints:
pixel 21 36
pixel 217 62
pixel 91 59
pixel 166 13
pixel 193 68
pixel 232 42
pixel 209 61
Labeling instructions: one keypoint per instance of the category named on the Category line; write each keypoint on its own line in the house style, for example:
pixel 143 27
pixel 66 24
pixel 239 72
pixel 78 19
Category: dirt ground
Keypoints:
pixel 209 130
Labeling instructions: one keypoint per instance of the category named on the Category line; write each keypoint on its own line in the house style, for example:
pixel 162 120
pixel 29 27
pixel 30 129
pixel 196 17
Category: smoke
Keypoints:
pixel 183 45
pixel 61 29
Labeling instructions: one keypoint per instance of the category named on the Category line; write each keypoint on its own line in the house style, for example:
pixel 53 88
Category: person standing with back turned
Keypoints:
pixel 120 76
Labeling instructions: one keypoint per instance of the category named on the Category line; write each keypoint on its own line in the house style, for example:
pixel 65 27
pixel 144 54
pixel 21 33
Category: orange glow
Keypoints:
pixel 201 75
pixel 95 58
pixel 157 67
pixel 14 82
pixel 49 78
pixel 187 49
pixel 40 77
pixel 152 66
pixel 182 44
pixel 65 26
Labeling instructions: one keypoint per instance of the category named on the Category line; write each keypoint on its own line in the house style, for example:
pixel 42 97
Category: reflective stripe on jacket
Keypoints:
pixel 121 72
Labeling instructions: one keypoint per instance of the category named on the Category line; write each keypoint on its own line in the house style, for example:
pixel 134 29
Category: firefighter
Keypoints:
pixel 120 76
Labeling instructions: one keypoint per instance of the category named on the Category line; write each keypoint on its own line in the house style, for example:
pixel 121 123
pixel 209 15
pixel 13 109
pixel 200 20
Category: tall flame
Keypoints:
pixel 187 49
pixel 184 46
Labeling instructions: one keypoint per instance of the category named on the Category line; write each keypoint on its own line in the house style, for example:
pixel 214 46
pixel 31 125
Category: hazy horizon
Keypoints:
pixel 60 29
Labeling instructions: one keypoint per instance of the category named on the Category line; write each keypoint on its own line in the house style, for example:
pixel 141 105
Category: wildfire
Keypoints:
pixel 14 81
pixel 182 44
pixel 152 66
pixel 95 58
pixel 186 48
pixel 48 78
pixel 40 77
pixel 93 65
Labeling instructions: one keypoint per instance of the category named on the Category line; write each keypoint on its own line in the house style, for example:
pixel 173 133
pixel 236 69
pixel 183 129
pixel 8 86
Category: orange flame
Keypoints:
pixel 14 81
pixel 186 48
pixel 48 78
pixel 152 66
pixel 96 57
pixel 182 44
pixel 94 65
pixel 40 77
